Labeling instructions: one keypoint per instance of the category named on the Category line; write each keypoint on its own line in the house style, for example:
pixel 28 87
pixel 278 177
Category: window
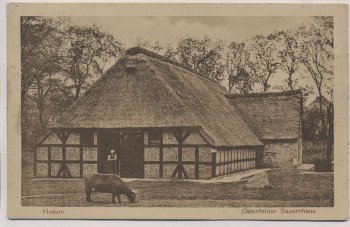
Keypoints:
pixel 87 138
pixel 154 137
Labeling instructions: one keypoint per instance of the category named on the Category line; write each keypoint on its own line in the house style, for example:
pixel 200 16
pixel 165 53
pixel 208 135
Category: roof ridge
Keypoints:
pixel 269 94
pixel 137 50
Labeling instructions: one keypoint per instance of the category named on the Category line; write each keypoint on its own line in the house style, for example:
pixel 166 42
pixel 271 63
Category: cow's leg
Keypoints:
pixel 113 198
pixel 119 200
pixel 88 190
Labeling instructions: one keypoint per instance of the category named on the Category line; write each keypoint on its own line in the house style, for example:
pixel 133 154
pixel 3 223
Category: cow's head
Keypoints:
pixel 131 196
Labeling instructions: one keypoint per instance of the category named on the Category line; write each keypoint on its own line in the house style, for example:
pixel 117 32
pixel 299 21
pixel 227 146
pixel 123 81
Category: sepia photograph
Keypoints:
pixel 185 111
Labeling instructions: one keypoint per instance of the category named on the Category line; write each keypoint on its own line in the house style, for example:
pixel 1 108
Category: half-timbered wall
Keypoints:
pixel 52 153
pixel 162 160
pixel 236 160
pixel 183 154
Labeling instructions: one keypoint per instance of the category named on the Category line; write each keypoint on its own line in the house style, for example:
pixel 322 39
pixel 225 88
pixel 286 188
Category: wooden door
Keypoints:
pixel 131 155
pixel 107 141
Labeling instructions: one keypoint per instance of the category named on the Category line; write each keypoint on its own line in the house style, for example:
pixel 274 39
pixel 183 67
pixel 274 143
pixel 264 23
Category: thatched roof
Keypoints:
pixel 271 115
pixel 145 90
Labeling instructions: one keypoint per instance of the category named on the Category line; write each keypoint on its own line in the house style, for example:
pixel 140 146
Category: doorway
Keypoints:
pixel 129 150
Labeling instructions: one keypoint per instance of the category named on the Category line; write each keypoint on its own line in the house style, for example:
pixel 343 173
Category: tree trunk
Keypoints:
pixel 265 85
pixel 330 134
pixel 40 106
pixel 266 82
pixel 320 103
pixel 229 88
pixel 77 91
pixel 24 119
pixel 290 81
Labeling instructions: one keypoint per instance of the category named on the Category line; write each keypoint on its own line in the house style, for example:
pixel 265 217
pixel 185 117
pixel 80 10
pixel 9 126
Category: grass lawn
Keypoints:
pixel 290 188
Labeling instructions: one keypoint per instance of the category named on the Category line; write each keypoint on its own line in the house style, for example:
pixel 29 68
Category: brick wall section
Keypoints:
pixel 280 154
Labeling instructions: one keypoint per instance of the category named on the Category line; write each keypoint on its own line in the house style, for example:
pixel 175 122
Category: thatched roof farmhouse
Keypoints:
pixel 164 120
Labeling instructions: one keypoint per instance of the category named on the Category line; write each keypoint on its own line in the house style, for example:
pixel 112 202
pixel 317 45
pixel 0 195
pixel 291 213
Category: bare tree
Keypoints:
pixel 170 53
pixel 317 55
pixel 41 55
pixel 41 38
pixel 237 59
pixel 265 59
pixel 290 52
pixel 89 50
pixel 202 55
pixel 54 54
pixel 326 26
pixel 42 88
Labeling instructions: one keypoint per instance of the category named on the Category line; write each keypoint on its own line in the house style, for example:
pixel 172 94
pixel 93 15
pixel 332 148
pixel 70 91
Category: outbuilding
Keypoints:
pixel 276 118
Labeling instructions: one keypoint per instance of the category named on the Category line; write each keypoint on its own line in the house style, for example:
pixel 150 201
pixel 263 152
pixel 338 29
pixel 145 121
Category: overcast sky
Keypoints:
pixel 171 29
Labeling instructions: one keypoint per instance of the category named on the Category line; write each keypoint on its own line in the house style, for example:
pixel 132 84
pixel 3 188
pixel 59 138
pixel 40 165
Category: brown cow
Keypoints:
pixel 107 183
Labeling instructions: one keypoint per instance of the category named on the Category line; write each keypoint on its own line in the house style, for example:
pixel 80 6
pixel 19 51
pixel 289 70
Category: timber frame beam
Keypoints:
pixel 180 137
pixel 64 170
